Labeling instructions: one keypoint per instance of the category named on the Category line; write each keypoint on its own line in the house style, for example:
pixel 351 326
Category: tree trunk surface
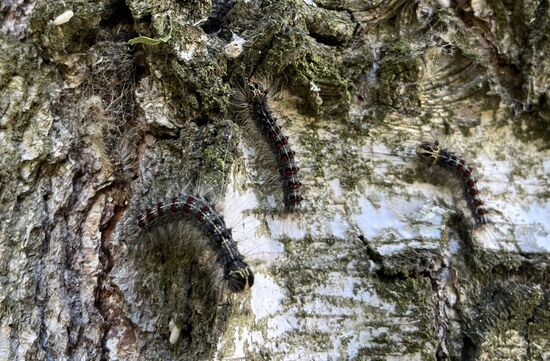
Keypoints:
pixel 383 260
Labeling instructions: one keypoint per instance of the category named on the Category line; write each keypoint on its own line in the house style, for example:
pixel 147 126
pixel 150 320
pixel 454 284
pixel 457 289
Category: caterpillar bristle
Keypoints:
pixel 251 104
pixel 104 111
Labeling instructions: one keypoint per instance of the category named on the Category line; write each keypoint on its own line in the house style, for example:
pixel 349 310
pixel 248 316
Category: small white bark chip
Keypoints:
pixel 175 332
pixel 63 18
pixel 235 47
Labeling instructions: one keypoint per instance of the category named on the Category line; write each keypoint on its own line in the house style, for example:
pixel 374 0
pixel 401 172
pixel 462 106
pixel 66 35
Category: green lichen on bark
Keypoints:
pixel 71 37
pixel 283 46
pixel 502 311
pixel 398 67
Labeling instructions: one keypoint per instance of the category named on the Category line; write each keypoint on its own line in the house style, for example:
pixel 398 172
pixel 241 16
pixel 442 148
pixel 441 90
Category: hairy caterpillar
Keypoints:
pixel 434 155
pixel 254 103
pixel 236 272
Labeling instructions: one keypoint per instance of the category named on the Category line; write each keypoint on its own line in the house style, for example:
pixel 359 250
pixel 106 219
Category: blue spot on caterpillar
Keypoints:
pixel 236 272
pixel 434 155
pixel 255 96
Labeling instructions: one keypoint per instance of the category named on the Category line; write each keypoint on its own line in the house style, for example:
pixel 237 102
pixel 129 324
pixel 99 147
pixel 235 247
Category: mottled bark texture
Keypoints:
pixel 382 263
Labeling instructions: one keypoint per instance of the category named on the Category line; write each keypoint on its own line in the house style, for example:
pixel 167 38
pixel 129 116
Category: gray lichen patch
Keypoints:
pixel 192 12
pixel 208 151
pixel 49 210
pixel 196 64
pixel 513 74
pixel 314 70
pixel 412 262
pixel 27 114
pixel 208 148
pixel 15 17
pixel 214 148
pixel 158 106
pixel 401 292
pixel 538 330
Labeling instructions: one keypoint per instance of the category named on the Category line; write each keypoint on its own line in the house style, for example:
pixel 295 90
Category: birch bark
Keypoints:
pixel 382 263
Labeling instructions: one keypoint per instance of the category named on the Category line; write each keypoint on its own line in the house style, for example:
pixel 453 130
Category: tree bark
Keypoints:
pixel 382 262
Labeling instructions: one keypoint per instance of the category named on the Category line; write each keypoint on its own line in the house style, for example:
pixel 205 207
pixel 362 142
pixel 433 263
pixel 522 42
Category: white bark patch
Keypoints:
pixel 267 297
pixel 63 18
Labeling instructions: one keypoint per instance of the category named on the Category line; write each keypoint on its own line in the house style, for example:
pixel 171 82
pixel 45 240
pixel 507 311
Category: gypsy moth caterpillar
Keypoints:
pixel 432 154
pixel 252 105
pixel 200 212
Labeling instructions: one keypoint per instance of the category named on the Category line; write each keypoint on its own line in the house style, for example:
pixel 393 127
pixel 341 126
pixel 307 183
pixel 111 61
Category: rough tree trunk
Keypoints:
pixel 382 262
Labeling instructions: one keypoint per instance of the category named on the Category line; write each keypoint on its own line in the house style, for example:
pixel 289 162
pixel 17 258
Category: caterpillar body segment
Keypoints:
pixel 192 208
pixel 432 154
pixel 256 98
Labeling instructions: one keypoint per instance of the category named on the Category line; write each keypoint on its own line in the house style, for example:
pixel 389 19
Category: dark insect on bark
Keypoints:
pixel 434 155
pixel 236 272
pixel 264 119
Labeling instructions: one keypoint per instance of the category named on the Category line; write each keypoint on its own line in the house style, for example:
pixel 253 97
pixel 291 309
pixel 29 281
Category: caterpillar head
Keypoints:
pixel 428 151
pixel 257 90
pixel 238 275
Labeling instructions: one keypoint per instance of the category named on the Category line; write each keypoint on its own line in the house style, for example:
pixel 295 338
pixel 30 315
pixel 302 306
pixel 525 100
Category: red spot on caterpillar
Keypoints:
pixel 473 192
pixel 478 202
pixel 186 208
pixel 203 212
pixel 174 205
pixel 285 157
pixel 281 143
pixel 141 224
pixel 460 167
pixel 149 215
pixel 291 171
pixel 471 182
pixel 160 212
